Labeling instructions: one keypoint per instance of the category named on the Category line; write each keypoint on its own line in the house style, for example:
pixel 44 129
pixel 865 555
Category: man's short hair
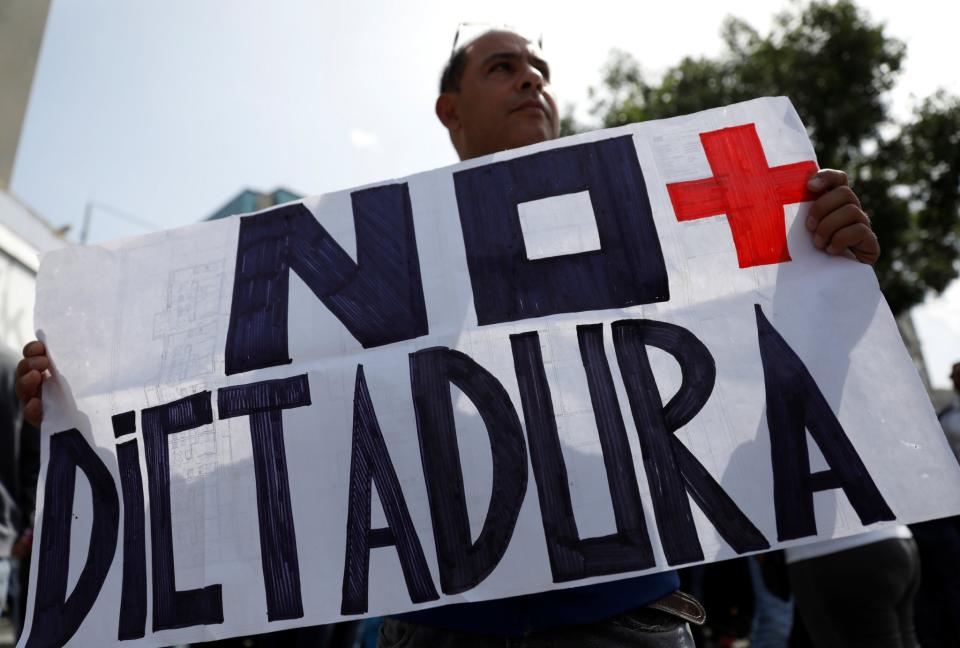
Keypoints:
pixel 453 71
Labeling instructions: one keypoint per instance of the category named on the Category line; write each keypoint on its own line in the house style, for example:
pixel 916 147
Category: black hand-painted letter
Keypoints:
pixel 379 299
pixel 795 404
pixel 463 563
pixel 173 608
pixel 264 403
pixel 672 470
pixel 628 269
pixel 573 558
pixel 56 616
pixel 370 463
pixel 133 597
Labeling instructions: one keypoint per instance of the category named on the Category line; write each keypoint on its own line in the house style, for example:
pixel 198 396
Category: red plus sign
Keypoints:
pixel 750 193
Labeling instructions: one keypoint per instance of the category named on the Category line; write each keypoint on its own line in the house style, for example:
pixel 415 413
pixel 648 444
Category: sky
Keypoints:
pixel 161 111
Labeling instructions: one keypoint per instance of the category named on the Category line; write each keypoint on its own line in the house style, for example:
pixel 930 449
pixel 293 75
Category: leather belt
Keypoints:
pixel 681 605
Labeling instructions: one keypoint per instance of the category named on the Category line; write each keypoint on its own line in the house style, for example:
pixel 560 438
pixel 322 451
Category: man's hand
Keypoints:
pixel 836 219
pixel 30 372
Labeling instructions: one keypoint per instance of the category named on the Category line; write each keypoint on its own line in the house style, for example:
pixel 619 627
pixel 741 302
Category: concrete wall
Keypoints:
pixel 21 31
pixel 24 236
pixel 16 303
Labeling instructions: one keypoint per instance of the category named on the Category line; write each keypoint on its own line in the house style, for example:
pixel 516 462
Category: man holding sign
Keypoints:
pixel 496 96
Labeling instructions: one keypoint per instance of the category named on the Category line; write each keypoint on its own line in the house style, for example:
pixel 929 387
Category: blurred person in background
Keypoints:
pixel 857 591
pixel 938 601
pixel 19 468
pixel 950 415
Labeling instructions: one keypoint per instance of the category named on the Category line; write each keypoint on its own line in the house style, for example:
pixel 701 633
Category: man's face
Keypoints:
pixel 955 376
pixel 504 101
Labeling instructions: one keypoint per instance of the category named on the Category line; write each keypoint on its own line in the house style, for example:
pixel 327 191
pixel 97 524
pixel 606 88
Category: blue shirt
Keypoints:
pixel 521 615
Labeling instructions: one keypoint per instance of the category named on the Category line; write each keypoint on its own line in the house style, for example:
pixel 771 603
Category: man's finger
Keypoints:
pixel 35 363
pixel 859 239
pixel 34 348
pixel 826 179
pixel 22 367
pixel 835 221
pixel 828 203
pixel 33 412
pixel 27 385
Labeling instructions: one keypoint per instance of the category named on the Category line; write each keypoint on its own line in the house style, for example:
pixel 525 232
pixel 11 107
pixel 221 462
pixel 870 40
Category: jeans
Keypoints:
pixel 642 628
pixel 772 616
pixel 5 570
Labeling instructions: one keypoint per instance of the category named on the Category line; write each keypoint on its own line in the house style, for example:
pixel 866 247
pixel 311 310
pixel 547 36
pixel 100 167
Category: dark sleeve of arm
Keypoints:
pixel 29 470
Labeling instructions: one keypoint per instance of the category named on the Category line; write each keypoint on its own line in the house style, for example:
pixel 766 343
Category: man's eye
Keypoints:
pixel 503 66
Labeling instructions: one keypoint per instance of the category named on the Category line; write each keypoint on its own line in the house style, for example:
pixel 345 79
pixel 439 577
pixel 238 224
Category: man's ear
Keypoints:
pixel 448 111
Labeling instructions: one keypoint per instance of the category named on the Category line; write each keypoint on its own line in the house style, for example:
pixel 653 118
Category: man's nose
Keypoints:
pixel 530 78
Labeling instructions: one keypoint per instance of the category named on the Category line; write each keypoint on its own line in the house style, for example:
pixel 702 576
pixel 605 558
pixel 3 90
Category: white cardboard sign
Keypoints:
pixel 434 390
